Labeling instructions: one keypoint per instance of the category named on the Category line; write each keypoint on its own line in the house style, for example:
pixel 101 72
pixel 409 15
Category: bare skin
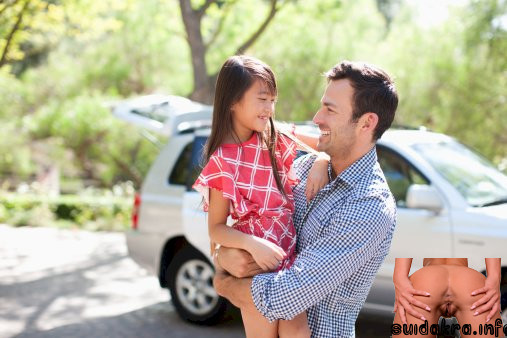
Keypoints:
pixel 450 283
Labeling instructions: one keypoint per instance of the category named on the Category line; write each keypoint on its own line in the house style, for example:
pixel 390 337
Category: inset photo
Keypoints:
pixel 448 298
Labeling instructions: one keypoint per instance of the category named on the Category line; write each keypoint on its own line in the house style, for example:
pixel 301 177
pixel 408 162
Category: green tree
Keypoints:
pixel 199 43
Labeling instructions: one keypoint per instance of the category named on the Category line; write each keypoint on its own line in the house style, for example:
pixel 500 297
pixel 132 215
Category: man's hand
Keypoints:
pixel 491 299
pixel 237 262
pixel 237 291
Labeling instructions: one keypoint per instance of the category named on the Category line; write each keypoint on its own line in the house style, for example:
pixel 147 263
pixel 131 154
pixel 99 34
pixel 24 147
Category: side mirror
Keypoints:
pixel 422 196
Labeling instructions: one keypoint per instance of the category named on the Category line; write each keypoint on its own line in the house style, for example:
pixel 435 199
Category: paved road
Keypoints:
pixel 73 283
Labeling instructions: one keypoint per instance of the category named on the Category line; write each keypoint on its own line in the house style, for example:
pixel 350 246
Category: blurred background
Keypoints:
pixel 63 64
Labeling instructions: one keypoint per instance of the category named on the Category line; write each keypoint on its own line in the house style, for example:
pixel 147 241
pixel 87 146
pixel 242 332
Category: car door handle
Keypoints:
pixel 469 241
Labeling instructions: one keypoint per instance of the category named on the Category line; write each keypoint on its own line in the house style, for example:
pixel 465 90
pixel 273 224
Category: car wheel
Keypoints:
pixel 190 281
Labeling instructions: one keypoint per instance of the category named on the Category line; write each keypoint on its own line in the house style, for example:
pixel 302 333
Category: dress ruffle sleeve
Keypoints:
pixel 220 175
pixel 288 150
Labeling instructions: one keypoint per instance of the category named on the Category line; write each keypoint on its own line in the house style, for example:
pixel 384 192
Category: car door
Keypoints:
pixel 419 233
pixel 194 219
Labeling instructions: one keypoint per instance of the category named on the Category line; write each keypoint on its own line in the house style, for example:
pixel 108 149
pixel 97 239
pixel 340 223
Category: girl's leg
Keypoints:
pixel 464 281
pixel 256 325
pixel 297 327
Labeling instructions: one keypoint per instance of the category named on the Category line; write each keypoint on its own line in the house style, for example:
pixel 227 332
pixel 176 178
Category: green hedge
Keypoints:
pixel 108 213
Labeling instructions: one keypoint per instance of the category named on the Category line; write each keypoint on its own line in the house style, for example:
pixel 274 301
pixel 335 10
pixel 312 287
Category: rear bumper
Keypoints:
pixel 142 250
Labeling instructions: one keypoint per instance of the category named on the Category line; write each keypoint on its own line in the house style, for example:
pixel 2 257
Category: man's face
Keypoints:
pixel 334 119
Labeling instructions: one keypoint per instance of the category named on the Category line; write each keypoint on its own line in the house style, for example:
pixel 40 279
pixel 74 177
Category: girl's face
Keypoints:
pixel 253 111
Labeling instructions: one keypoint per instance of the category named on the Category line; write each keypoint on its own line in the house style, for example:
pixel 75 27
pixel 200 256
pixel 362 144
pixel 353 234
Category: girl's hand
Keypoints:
pixel 317 177
pixel 491 299
pixel 404 298
pixel 266 254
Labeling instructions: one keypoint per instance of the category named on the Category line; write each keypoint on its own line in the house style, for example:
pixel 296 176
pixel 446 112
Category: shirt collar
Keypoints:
pixel 356 170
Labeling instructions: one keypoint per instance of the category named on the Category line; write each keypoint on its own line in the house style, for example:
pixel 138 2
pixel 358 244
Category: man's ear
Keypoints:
pixel 368 122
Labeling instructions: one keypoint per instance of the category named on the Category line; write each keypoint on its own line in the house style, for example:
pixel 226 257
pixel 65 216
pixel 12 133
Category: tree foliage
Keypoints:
pixel 63 61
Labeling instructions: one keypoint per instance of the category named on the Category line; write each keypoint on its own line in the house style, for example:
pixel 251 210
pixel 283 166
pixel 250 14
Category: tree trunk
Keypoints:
pixel 203 87
pixel 204 83
pixel 15 28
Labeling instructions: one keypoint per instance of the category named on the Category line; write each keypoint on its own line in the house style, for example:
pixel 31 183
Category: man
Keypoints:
pixel 345 231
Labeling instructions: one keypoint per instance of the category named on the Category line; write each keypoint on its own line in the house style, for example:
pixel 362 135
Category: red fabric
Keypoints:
pixel 243 173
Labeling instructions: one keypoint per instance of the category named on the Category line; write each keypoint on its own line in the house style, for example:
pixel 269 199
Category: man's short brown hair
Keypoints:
pixel 374 92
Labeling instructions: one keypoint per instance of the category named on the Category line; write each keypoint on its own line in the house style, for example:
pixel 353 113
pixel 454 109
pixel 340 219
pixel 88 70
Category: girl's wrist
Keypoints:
pixel 247 243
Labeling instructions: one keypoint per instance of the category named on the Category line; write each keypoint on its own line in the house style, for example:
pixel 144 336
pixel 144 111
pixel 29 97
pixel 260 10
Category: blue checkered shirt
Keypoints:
pixel 344 234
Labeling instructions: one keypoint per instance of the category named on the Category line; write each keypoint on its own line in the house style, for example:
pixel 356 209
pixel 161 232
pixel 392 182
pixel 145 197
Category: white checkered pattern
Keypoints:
pixel 244 175
pixel 344 235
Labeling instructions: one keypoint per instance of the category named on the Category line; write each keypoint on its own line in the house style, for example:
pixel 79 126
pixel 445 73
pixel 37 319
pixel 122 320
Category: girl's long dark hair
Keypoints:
pixel 237 75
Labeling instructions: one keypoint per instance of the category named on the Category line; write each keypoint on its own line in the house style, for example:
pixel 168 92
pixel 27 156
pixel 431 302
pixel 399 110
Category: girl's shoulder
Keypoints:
pixel 224 159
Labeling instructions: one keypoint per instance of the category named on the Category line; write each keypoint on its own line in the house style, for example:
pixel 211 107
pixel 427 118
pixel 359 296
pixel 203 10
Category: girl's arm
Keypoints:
pixel 266 254
pixel 305 141
pixel 318 175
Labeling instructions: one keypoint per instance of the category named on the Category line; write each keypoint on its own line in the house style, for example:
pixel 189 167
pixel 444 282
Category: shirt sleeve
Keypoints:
pixel 302 165
pixel 287 148
pixel 352 239
pixel 218 175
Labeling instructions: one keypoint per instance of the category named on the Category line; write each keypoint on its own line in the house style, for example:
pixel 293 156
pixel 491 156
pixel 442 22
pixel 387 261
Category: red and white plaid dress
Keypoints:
pixel 243 173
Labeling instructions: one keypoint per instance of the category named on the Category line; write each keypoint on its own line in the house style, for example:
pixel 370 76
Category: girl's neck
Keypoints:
pixel 239 135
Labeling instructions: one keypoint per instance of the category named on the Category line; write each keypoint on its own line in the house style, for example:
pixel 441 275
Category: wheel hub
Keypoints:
pixel 194 287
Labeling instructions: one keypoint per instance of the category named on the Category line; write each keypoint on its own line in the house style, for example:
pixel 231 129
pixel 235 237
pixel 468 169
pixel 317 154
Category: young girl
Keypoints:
pixel 249 170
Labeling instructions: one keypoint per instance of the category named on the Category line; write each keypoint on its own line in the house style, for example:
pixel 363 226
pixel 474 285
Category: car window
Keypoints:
pixel 474 177
pixel 194 168
pixel 188 165
pixel 179 174
pixel 400 174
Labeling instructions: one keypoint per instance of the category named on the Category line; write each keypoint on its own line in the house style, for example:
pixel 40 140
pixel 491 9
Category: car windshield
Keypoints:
pixel 476 179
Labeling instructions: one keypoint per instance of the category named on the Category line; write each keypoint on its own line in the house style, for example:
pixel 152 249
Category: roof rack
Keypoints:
pixel 165 114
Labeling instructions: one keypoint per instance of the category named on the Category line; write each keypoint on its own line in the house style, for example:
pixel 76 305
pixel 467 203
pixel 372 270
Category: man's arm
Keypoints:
pixel 236 290
pixel 350 242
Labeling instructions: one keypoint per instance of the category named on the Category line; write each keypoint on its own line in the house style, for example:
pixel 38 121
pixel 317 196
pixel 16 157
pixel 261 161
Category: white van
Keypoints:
pixel 451 203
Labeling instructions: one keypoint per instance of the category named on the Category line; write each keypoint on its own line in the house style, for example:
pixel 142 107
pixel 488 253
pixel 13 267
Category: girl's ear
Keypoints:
pixel 235 106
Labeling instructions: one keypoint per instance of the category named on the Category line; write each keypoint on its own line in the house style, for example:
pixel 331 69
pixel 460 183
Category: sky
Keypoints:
pixel 434 12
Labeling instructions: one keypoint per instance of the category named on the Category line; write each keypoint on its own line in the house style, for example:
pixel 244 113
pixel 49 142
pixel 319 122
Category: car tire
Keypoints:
pixel 190 281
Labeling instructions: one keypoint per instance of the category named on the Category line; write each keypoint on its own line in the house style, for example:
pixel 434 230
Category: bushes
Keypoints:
pixel 105 213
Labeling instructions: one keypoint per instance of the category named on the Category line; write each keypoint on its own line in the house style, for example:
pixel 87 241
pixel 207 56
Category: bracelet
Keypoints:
pixel 217 248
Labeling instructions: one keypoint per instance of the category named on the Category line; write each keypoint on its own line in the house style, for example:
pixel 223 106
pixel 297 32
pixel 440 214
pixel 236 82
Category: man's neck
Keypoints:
pixel 340 163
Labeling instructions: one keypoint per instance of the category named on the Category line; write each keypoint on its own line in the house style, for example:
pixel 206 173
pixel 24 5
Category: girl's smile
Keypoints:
pixel 253 111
